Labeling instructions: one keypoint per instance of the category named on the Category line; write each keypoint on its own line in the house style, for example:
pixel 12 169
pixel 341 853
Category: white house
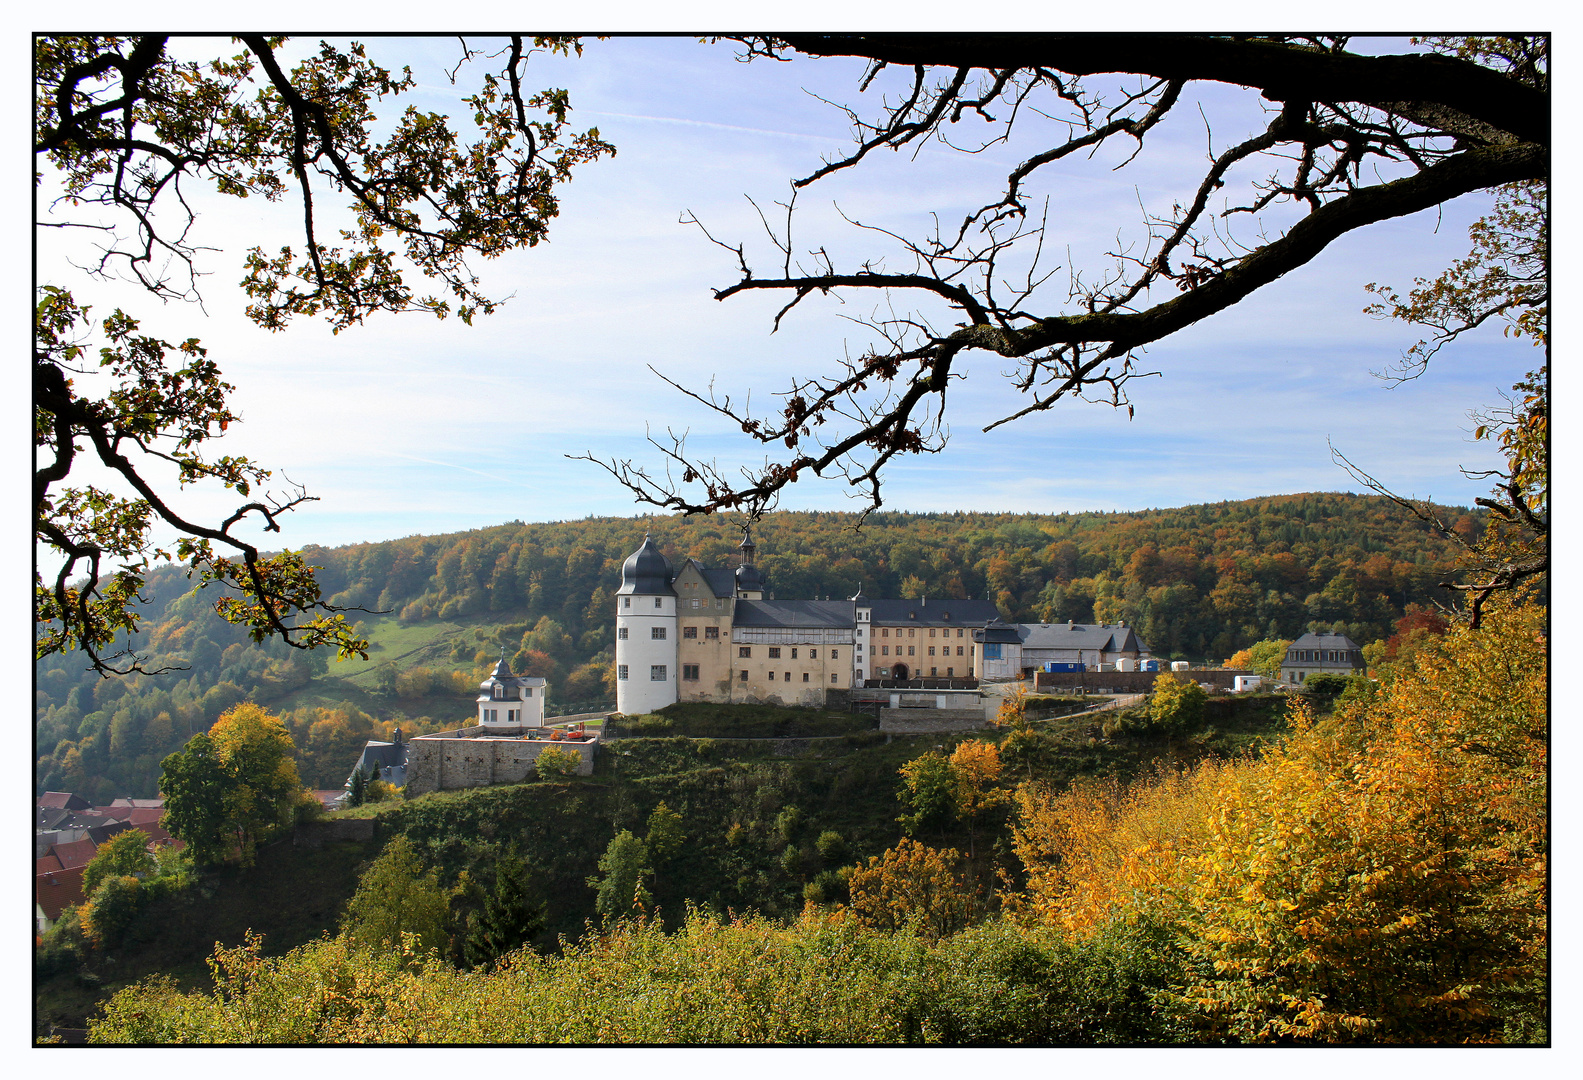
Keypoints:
pixel 507 700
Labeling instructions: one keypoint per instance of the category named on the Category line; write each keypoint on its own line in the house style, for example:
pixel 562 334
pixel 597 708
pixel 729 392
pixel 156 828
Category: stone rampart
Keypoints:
pixel 924 721
pixel 447 760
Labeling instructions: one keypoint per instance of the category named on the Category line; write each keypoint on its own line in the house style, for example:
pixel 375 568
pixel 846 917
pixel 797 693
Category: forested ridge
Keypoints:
pixel 1198 582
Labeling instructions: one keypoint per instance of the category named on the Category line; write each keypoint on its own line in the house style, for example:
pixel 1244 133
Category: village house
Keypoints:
pixel 1313 653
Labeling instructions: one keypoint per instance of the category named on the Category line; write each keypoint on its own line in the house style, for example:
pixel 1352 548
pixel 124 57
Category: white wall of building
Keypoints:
pixel 514 711
pixel 639 652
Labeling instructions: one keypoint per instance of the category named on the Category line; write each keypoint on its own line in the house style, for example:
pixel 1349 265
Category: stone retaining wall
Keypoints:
pixel 924 721
pixel 460 759
pixel 1131 682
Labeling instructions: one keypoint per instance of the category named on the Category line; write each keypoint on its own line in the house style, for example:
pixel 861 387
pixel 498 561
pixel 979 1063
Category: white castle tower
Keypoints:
pixel 645 632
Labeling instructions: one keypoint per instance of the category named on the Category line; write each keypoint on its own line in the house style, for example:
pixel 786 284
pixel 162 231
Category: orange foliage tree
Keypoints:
pixel 911 886
pixel 1379 877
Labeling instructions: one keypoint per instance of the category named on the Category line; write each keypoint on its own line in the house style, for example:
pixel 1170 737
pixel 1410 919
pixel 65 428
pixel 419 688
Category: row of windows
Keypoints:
pixel 1323 656
pixel 626 601
pixel 786 676
pixel 499 693
pixel 492 716
pixel 913 632
pixel 764 635
pixel 657 672
pixel 746 653
pixel 945 650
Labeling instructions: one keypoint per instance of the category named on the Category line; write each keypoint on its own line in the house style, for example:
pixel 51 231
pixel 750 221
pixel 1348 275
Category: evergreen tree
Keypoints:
pixel 507 919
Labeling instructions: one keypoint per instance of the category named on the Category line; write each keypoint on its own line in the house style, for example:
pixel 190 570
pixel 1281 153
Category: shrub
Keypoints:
pixel 557 763
pixel 113 908
pixel 1325 683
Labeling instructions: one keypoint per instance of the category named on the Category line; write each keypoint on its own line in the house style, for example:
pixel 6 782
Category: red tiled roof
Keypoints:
pixel 78 853
pixel 57 891
pixel 47 864
pixel 139 804
pixel 156 834
pixel 62 800
pixel 145 815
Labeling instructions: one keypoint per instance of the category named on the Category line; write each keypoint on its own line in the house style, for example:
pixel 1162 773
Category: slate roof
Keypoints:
pixel 1097 637
pixel 721 582
pixel 647 571
pixel 796 614
pixel 942 611
pixel 1324 641
pixel 389 758
pixel 100 833
pixel 47 817
pixel 57 891
pixel 996 631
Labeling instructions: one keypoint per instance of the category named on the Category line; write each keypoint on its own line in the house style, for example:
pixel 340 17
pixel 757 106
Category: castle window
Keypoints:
pixel 805 676
pixel 910 650
pixel 657 601
pixel 788 676
pixel 712 633
pixel 959 631
pixel 527 692
pixel 837 678
pixel 742 676
pixel 621 633
pixel 835 654
pixel 690 672
pixel 626 601
pixel 657 673
pixel 884 650
pixel 744 651
pixel 949 671
pixel 693 602
pixel 931 632
pixel 621 671
pixel 934 671
pixel 885 632
pixel 813 654
pixel 911 632
pixel 689 631
pixel 772 676
pixel 794 654
pixel 959 650
pixel 931 650
pixel 775 654
pixel 657 633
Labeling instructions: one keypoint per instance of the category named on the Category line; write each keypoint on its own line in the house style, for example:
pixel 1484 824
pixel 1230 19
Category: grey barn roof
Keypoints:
pixel 942 611
pixel 1100 637
pixel 796 614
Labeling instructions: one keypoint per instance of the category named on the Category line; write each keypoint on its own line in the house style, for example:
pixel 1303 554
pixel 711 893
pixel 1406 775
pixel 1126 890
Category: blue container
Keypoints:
pixel 1150 665
pixel 1052 667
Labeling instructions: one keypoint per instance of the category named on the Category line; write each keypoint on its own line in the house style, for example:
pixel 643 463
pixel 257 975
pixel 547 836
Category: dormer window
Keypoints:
pixel 499 692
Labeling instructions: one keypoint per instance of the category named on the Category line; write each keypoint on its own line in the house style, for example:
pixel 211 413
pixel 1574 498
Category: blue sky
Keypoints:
pixel 408 425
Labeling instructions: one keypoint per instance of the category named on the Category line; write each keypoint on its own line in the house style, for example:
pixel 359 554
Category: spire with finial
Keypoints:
pixel 747 547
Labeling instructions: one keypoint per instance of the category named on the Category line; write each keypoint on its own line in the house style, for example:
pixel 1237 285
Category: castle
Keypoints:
pixel 701 634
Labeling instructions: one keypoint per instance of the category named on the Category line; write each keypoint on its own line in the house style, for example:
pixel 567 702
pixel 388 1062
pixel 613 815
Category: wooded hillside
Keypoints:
pixel 1198 582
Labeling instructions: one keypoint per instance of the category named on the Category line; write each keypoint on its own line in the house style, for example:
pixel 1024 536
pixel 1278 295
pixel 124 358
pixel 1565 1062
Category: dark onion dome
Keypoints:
pixel 749 579
pixel 647 571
